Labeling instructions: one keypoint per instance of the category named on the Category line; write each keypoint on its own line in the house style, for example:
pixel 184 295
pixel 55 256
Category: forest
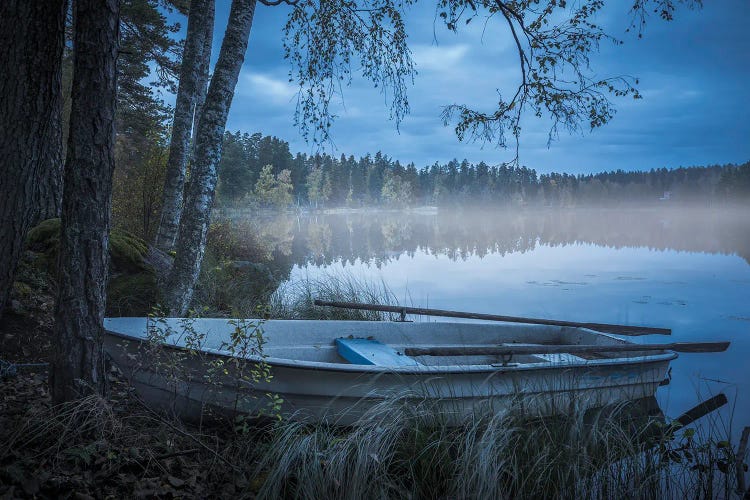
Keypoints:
pixel 260 172
pixel 324 180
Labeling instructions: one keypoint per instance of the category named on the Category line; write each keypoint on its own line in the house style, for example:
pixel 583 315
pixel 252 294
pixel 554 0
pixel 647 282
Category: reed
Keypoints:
pixel 296 299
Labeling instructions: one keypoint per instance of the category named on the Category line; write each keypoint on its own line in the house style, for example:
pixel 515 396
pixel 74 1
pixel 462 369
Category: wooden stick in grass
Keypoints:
pixel 403 311
pixel 701 410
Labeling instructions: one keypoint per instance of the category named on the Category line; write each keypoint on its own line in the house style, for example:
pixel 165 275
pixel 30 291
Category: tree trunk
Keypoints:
pixel 84 241
pixel 203 80
pixel 31 45
pixel 191 238
pixel 195 60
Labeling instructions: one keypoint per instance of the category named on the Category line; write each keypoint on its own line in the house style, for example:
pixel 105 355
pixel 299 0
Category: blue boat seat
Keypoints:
pixel 371 352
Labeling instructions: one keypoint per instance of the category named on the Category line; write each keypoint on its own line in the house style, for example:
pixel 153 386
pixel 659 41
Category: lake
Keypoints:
pixel 687 269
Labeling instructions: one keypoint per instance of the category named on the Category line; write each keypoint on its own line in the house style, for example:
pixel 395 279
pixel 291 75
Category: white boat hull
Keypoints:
pixel 315 384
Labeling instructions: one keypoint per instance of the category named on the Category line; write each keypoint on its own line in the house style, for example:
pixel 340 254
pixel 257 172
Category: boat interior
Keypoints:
pixel 379 343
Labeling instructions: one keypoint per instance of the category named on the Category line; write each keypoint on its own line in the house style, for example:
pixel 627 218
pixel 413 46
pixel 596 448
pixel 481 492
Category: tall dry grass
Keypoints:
pixel 399 450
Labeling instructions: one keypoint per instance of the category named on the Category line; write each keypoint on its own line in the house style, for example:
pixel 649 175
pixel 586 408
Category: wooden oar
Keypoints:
pixel 510 349
pixel 403 311
pixel 700 410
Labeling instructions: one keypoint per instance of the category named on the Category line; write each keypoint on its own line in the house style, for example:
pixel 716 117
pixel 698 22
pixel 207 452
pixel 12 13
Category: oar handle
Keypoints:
pixel 403 310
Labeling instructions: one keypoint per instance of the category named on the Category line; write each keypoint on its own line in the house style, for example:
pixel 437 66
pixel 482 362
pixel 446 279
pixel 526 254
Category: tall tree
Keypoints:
pixel 235 175
pixel 208 42
pixel 191 237
pixel 84 240
pixel 147 49
pixel 193 75
pixel 31 46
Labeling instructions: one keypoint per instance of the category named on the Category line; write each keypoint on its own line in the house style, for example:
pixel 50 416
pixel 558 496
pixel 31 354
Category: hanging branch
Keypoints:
pixel 554 41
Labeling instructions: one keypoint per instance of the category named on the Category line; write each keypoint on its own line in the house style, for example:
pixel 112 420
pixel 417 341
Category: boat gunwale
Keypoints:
pixel 431 369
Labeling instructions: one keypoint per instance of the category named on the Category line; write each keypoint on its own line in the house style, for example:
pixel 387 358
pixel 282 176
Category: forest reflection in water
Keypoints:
pixel 377 237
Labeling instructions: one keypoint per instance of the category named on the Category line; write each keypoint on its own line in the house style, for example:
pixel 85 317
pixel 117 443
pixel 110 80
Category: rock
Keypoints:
pixel 161 262
pixel 44 236
pixel 136 268
pixel 132 294
pixel 127 251
pixel 176 481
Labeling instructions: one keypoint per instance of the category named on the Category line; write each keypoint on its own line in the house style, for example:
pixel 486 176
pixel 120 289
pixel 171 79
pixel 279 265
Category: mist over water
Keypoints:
pixel 684 268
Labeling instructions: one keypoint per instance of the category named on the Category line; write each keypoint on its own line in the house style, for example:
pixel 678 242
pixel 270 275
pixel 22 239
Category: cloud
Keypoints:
pixel 278 91
pixel 439 58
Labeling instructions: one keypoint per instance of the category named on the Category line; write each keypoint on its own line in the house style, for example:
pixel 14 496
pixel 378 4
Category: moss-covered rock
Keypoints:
pixel 132 294
pixel 44 236
pixel 127 251
pixel 133 273
pixel 137 271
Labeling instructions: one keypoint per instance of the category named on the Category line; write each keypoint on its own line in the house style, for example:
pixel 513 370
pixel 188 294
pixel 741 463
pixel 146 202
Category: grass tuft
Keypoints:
pixel 295 300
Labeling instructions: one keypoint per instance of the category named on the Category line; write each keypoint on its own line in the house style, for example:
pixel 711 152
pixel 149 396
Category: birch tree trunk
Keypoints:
pixel 203 80
pixel 191 237
pixel 195 60
pixel 84 241
pixel 31 45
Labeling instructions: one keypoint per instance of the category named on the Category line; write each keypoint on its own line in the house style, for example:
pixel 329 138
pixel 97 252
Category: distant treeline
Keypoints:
pixel 322 180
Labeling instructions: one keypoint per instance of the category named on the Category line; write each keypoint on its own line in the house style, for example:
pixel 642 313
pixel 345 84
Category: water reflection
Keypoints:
pixel 379 237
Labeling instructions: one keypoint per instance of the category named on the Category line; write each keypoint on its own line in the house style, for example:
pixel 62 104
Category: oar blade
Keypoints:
pixel 700 346
pixel 701 410
pixel 628 330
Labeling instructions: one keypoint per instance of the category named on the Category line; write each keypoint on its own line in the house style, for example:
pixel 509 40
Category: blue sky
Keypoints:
pixel 693 76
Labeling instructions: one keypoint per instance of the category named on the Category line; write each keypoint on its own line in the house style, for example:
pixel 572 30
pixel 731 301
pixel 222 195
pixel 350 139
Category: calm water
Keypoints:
pixel 685 269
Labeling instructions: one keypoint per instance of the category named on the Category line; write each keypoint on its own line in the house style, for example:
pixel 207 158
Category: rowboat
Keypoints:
pixel 338 371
